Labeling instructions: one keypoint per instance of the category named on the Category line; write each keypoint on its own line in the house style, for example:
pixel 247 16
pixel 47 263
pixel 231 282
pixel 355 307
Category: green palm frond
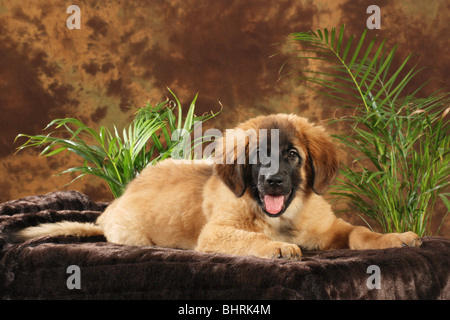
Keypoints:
pixel 400 143
pixel 117 157
pixel 362 76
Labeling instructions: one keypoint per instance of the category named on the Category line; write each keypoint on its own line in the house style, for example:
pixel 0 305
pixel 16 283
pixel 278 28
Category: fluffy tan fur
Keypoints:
pixel 65 228
pixel 206 207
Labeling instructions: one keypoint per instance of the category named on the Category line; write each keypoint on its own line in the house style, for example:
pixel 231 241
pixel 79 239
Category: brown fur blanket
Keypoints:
pixel 40 268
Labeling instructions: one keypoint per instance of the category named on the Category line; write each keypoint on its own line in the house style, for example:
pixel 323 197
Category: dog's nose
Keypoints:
pixel 275 180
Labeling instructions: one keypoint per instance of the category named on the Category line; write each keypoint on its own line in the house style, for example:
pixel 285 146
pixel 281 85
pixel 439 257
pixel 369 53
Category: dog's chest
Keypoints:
pixel 283 228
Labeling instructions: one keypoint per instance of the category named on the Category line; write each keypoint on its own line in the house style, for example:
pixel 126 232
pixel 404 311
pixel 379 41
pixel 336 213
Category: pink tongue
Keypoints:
pixel 273 204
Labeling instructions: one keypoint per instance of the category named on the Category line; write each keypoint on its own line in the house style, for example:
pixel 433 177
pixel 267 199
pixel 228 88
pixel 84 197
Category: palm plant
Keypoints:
pixel 118 158
pixel 400 143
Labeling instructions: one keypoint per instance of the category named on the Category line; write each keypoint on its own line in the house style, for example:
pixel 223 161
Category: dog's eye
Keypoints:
pixel 292 154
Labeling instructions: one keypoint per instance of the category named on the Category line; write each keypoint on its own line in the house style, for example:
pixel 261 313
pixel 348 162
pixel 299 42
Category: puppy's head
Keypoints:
pixel 273 157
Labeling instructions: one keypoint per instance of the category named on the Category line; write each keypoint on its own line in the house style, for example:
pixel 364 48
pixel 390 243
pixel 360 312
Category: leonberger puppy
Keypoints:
pixel 238 204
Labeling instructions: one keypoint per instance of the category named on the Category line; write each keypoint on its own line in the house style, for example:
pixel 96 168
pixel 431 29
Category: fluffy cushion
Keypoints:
pixel 39 268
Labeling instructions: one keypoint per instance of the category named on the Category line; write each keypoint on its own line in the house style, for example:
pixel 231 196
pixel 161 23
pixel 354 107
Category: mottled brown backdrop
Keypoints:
pixel 128 52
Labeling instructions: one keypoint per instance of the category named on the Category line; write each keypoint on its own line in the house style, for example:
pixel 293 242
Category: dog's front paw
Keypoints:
pixel 405 239
pixel 281 250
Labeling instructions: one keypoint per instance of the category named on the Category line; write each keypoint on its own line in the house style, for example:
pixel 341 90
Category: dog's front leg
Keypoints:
pixel 345 235
pixel 363 238
pixel 222 238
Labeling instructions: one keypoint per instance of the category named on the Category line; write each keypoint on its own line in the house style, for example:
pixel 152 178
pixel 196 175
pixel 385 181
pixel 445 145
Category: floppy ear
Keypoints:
pixel 323 160
pixel 233 175
pixel 231 158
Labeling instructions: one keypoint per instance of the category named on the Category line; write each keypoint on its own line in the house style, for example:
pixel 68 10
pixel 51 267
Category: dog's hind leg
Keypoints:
pixel 122 228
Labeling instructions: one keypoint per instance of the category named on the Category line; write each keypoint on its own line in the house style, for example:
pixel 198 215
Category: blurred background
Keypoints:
pixel 127 52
